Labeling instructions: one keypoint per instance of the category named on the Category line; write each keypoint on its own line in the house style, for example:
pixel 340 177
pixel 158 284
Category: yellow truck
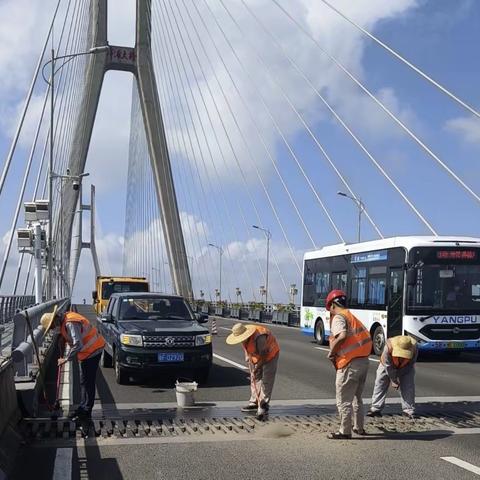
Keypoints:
pixel 106 285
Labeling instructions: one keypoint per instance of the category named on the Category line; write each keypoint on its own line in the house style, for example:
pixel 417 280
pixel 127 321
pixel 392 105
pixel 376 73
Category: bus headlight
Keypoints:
pixel 203 340
pixel 131 340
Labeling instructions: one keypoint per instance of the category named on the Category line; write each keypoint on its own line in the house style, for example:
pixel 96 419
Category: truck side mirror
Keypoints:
pixel 201 317
pixel 107 318
pixel 412 274
pixel 94 296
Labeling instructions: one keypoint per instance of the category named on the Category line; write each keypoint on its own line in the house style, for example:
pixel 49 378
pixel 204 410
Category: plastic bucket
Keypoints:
pixel 185 392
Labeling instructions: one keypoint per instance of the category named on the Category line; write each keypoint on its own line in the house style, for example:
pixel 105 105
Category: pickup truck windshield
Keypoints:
pixel 154 309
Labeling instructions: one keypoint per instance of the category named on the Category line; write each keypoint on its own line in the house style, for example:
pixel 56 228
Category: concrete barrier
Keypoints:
pixel 9 418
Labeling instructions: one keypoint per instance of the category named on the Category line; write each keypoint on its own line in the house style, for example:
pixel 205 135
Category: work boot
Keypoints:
pixel 251 407
pixel 79 412
pixel 374 413
pixel 410 415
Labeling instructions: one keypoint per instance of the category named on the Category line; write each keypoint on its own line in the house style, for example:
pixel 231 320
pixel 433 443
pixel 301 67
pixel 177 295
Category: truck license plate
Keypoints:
pixel 170 357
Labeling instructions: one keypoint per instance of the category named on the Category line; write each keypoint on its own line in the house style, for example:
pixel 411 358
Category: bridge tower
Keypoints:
pixel 138 61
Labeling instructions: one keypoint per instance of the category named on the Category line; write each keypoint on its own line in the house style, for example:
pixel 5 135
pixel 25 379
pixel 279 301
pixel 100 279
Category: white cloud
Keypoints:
pixel 326 26
pixel 467 128
pixel 25 26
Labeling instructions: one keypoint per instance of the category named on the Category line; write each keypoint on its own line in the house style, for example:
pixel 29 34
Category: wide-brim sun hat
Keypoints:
pixel 403 346
pixel 48 318
pixel 240 333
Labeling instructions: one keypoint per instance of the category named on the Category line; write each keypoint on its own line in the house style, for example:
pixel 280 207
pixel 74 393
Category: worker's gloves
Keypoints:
pixel 395 385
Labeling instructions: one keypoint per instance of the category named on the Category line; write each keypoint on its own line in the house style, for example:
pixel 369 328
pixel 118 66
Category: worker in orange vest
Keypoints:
pixel 350 346
pixel 86 344
pixel 396 368
pixel 261 353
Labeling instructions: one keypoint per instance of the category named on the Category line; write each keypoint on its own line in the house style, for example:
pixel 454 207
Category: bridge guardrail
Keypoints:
pixel 272 314
pixel 23 350
pixel 11 304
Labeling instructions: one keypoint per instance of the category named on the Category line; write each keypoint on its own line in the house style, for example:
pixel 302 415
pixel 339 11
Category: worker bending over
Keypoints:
pixel 350 346
pixel 261 354
pixel 396 368
pixel 86 344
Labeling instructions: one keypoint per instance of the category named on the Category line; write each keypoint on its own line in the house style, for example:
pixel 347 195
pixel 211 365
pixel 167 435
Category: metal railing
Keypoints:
pixel 30 342
pixel 254 312
pixel 11 304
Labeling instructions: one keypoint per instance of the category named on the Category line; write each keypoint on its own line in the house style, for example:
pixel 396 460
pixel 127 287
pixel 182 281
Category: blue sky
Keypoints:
pixel 440 36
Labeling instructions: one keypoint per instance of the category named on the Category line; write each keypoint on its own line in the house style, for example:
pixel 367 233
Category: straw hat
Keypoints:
pixel 403 346
pixel 240 333
pixel 47 319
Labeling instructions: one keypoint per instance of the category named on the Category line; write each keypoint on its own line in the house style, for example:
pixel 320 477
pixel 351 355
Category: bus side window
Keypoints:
pixel 359 286
pixel 322 287
pixel 339 281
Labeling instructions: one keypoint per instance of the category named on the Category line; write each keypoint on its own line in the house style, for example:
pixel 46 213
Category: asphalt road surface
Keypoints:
pixel 304 373
pixel 304 376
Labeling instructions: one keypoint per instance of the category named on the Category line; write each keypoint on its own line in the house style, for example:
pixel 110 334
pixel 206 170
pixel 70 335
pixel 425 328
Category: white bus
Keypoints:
pixel 425 287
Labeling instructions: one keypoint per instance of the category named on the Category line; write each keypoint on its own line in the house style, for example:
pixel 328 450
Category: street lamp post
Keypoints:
pixel 52 61
pixel 268 235
pixel 76 179
pixel 361 208
pixel 220 252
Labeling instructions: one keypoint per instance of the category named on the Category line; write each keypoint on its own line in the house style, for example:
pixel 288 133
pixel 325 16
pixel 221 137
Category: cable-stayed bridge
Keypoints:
pixel 256 133
pixel 242 150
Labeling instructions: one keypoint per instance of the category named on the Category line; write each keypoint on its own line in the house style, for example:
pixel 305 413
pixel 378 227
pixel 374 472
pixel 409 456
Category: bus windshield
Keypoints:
pixel 448 281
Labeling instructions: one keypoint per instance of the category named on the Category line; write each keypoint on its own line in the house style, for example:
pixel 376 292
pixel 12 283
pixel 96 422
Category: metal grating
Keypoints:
pixel 144 426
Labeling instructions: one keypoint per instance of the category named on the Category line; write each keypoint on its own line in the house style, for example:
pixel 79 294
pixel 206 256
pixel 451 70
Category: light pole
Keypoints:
pixel 76 181
pixel 220 251
pixel 52 61
pixel 268 234
pixel 361 207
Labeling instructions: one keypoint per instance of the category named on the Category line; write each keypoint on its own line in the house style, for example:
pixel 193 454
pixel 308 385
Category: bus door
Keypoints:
pixel 395 302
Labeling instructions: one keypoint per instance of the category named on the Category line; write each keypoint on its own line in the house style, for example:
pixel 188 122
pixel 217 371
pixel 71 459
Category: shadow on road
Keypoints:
pixel 219 377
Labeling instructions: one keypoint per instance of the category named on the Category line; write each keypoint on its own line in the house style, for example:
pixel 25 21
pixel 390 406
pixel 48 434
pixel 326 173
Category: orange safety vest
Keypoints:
pixel 357 344
pixel 250 346
pixel 92 341
pixel 398 362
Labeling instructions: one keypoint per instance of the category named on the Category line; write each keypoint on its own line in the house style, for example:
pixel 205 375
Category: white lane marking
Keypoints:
pixel 62 469
pixel 225 328
pixel 327 350
pixel 231 362
pixel 462 464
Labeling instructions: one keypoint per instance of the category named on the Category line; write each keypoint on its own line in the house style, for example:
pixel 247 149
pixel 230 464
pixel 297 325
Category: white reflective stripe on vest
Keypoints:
pixel 352 347
pixel 87 345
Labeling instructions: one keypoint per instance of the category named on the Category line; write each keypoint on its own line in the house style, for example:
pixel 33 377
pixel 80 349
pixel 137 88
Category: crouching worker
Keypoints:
pixel 261 353
pixel 87 345
pixel 396 368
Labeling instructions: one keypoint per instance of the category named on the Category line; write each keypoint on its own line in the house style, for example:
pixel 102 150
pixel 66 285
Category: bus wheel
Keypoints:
pixel 378 338
pixel 320 332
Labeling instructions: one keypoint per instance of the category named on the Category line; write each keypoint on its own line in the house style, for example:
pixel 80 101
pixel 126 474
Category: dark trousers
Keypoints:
pixel 88 375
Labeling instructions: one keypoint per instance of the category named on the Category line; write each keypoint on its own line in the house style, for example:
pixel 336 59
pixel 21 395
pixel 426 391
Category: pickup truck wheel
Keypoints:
pixel 107 360
pixel 121 375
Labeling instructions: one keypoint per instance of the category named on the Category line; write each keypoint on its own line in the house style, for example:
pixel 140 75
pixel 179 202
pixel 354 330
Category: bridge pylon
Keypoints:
pixel 137 60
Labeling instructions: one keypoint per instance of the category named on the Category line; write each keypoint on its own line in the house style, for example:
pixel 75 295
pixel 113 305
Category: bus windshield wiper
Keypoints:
pixel 426 318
